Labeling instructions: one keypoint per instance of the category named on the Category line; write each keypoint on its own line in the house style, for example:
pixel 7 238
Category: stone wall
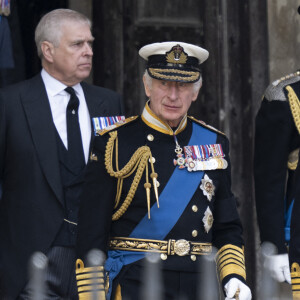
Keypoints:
pixel 284 37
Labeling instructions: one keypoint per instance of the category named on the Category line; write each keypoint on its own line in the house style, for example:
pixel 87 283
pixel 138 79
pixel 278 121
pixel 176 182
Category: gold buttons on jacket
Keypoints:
pixel 194 208
pixel 194 233
pixel 163 256
pixel 193 257
pixel 150 137
pixel 152 160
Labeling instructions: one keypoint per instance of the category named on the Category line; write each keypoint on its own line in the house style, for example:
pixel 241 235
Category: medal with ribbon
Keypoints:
pixel 180 161
pixel 200 157
pixel 106 123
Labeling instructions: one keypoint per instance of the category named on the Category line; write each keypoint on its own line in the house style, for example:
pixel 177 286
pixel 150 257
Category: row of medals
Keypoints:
pixel 209 164
pixel 201 165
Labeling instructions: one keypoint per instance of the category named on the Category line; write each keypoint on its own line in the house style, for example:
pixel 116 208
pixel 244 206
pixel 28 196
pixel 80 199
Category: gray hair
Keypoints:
pixel 49 27
pixel 196 85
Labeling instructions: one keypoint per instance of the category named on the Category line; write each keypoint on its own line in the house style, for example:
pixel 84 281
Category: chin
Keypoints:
pixel 84 75
pixel 173 118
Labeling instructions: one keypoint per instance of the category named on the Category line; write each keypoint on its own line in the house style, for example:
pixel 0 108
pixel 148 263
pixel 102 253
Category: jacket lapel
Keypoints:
pixel 37 109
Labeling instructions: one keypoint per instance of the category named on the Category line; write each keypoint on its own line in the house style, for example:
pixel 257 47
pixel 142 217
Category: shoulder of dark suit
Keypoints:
pixel 98 89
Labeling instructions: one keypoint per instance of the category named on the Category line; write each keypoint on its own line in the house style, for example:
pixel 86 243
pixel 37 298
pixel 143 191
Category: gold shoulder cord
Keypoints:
pixel 138 162
pixel 295 106
pixel 295 109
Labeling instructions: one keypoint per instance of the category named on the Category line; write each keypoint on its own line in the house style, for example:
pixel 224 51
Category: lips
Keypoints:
pixel 85 66
pixel 171 107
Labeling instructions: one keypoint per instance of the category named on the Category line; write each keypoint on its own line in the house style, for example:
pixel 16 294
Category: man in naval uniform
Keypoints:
pixel 276 181
pixel 294 246
pixel 160 182
pixel 275 160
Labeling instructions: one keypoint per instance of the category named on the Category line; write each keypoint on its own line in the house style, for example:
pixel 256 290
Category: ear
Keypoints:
pixel 48 51
pixel 147 88
pixel 196 93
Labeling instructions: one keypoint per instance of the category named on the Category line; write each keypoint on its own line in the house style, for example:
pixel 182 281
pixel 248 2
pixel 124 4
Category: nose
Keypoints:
pixel 173 91
pixel 88 49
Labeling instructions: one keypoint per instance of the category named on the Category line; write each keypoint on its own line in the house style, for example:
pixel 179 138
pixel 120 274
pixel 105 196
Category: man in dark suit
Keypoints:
pixel 45 135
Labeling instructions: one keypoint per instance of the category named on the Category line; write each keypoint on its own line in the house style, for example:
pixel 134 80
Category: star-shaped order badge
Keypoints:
pixel 207 187
pixel 208 219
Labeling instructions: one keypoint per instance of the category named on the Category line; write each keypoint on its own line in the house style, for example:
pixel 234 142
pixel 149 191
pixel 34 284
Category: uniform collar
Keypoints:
pixel 153 121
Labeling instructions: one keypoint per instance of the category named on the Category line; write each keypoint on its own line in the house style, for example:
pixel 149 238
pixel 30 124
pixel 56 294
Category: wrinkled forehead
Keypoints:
pixel 75 30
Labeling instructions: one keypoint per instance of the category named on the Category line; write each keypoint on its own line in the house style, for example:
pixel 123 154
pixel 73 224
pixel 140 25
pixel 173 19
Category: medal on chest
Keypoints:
pixel 180 161
pixel 200 157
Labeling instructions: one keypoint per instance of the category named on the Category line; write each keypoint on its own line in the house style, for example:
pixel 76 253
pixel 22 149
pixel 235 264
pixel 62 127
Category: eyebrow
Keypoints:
pixel 83 40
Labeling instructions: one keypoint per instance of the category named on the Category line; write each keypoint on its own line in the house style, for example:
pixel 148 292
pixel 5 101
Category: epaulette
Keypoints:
pixel 116 125
pixel 275 91
pixel 206 125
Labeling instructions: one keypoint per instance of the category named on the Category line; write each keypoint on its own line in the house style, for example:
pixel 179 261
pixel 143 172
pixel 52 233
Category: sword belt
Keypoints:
pixel 170 247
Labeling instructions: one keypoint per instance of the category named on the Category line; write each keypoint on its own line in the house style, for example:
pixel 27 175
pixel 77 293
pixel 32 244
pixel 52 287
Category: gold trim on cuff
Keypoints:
pixel 90 281
pixel 230 260
pixel 295 277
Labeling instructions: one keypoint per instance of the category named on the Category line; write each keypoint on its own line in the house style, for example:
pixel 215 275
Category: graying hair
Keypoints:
pixel 196 85
pixel 49 27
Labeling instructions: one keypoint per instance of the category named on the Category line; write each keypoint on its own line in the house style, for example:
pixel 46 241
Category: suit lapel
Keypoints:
pixel 38 112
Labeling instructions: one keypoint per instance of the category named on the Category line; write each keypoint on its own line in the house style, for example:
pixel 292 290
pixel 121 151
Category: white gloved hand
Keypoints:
pixel 236 289
pixel 278 266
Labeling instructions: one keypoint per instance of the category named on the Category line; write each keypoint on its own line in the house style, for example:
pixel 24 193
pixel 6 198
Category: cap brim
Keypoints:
pixel 174 74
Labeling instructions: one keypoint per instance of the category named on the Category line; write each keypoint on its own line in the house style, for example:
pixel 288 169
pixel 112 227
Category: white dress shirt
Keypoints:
pixel 58 99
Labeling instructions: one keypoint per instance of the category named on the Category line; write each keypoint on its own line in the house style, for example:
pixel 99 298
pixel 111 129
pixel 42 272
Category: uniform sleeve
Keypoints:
pixel 97 201
pixel 274 131
pixel 294 248
pixel 227 228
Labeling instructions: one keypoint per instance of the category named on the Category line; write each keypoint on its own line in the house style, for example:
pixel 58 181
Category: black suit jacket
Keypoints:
pixel 31 208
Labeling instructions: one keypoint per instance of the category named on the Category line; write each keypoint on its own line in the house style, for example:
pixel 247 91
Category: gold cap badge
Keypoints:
pixel 176 55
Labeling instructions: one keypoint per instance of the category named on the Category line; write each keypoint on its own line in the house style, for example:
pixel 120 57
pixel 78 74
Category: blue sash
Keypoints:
pixel 172 201
pixel 288 218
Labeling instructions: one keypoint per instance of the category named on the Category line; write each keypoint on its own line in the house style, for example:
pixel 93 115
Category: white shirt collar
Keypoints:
pixel 55 87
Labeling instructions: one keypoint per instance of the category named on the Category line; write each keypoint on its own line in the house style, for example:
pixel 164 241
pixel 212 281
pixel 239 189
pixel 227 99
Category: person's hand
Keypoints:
pixel 279 267
pixel 237 290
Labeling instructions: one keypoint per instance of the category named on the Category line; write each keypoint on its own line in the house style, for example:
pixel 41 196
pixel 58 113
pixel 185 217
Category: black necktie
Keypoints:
pixel 75 147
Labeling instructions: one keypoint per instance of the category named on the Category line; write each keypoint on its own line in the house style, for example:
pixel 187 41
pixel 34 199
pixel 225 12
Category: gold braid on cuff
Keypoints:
pixel 295 276
pixel 90 282
pixel 230 260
